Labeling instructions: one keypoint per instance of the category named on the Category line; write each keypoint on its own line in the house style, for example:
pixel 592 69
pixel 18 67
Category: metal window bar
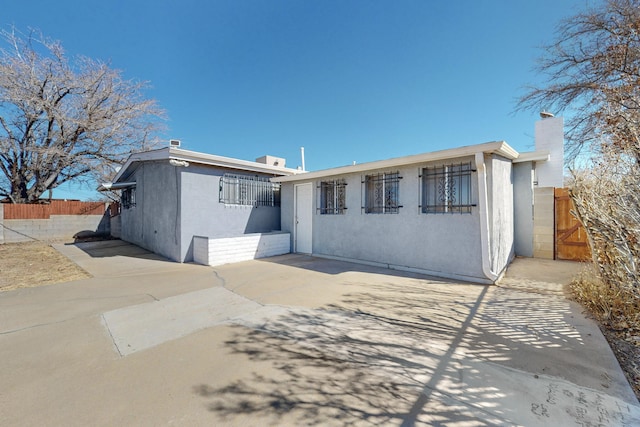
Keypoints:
pixel 447 189
pixel 332 197
pixel 128 198
pixel 248 190
pixel 382 193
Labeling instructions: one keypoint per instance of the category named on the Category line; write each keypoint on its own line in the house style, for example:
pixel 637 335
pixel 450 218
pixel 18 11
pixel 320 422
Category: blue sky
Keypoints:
pixel 348 80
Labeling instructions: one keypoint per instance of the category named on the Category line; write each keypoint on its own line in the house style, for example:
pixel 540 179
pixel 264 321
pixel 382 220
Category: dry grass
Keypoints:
pixel 618 313
pixel 618 308
pixel 26 265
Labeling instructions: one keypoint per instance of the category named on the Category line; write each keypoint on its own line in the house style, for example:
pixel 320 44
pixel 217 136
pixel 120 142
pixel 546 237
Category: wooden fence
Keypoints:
pixel 571 238
pixel 56 207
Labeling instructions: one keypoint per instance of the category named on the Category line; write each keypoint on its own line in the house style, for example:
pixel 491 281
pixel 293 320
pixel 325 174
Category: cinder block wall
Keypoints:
pixel 243 248
pixel 1 224
pixel 57 227
pixel 543 223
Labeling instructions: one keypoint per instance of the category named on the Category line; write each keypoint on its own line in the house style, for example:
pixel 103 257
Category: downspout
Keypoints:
pixel 483 203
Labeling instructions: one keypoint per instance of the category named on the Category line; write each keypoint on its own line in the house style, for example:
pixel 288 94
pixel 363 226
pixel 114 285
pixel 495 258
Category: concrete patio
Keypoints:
pixel 296 340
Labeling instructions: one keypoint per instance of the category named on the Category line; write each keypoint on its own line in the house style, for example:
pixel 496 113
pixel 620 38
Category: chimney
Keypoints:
pixel 549 136
pixel 272 161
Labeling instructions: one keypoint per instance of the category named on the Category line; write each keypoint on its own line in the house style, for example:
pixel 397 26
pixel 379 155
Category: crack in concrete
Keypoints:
pixel 113 341
pixel 35 326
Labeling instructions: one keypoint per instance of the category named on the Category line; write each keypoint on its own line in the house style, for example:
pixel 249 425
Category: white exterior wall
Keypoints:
pixel 174 204
pixel 202 214
pixel 549 136
pixel 523 208
pixel 243 248
pixel 154 222
pixel 446 245
pixel 501 221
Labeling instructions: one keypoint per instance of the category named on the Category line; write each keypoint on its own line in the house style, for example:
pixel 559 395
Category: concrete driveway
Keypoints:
pixel 295 340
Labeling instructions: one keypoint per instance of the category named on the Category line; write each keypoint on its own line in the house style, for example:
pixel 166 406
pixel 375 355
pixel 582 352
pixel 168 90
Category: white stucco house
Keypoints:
pixel 447 213
pixel 461 213
pixel 176 202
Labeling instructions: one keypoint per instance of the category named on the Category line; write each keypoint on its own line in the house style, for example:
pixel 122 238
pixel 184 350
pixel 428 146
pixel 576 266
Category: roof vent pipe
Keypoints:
pixel 302 156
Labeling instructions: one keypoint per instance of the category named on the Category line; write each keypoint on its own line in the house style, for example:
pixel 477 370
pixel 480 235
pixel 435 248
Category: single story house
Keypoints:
pixel 461 213
pixel 171 196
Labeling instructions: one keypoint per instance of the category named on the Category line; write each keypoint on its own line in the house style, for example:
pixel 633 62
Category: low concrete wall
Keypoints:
pixel 57 227
pixel 242 248
pixel 116 226
pixel 543 223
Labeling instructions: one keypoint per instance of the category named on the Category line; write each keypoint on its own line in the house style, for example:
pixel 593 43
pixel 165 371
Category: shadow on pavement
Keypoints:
pixel 116 247
pixel 452 354
pixel 334 267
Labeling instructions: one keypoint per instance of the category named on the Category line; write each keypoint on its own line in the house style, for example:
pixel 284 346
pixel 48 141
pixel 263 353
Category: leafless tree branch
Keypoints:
pixel 62 120
pixel 592 73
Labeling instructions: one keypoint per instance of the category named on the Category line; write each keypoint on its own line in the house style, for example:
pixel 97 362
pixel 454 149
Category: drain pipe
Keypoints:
pixel 483 204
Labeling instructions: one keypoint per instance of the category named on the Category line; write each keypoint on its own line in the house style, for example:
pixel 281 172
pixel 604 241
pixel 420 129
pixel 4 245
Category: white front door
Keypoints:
pixel 303 217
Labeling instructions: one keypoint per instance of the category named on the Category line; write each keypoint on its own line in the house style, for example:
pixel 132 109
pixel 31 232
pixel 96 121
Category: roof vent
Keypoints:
pixel 174 143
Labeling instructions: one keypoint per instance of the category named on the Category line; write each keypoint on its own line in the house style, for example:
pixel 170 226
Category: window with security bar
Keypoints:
pixel 447 189
pixel 128 198
pixel 236 189
pixel 332 197
pixel 382 193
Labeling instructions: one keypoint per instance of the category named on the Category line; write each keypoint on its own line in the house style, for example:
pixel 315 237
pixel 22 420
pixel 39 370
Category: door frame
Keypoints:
pixel 295 216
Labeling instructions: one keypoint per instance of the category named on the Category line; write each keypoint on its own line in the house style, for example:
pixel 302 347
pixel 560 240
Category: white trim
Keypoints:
pixel 533 156
pixel 501 148
pixel 106 186
pixel 174 153
pixel 295 217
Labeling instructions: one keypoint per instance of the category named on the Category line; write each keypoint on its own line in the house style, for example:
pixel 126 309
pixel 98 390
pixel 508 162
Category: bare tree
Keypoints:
pixel 608 205
pixel 63 120
pixel 592 71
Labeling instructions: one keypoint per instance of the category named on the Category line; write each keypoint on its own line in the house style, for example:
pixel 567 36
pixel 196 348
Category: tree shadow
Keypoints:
pixel 393 355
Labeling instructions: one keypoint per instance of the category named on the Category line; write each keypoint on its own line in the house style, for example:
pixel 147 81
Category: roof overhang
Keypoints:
pixel 500 148
pixel 533 156
pixel 180 155
pixel 108 186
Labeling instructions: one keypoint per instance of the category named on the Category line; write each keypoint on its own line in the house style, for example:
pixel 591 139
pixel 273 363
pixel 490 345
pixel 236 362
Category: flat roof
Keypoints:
pixel 497 147
pixel 174 153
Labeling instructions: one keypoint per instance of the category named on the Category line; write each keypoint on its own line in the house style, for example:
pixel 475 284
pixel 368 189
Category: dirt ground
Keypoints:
pixel 25 265
pixel 628 355
pixel 31 264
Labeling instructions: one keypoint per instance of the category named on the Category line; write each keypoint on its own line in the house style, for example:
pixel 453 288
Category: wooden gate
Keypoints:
pixel 570 237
